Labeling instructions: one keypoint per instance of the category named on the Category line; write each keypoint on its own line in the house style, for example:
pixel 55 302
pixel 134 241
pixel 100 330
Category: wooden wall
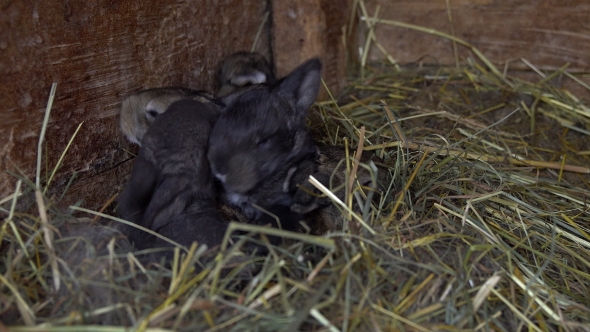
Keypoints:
pixel 547 33
pixel 304 29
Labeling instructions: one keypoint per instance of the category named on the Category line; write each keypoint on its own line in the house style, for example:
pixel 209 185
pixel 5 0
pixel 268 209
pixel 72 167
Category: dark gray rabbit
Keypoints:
pixel 242 69
pixel 260 149
pixel 171 189
pixel 139 110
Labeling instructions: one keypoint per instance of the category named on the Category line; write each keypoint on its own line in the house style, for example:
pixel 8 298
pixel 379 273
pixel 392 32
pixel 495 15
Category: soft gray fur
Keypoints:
pixel 139 110
pixel 261 149
pixel 242 69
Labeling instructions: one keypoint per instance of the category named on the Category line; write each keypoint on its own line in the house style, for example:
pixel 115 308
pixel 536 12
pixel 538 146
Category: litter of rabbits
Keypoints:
pixel 482 223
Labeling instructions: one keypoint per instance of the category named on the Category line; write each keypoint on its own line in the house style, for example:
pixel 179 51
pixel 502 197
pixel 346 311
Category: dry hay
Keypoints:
pixel 483 225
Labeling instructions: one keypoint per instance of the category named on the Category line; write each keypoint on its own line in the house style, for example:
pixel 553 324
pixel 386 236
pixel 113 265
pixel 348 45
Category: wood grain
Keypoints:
pixel 548 33
pixel 304 29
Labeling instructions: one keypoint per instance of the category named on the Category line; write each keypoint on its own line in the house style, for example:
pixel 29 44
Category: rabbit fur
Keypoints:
pixel 242 69
pixel 260 148
pixel 171 189
pixel 139 110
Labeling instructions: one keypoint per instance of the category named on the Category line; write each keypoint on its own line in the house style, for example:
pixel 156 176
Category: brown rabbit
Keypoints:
pixel 243 69
pixel 139 110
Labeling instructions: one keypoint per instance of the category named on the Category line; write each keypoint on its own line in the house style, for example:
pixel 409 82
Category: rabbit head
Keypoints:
pixel 139 110
pixel 243 69
pixel 262 132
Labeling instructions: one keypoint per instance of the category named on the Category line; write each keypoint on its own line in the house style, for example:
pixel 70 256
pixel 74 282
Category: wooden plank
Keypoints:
pixel 303 29
pixel 547 33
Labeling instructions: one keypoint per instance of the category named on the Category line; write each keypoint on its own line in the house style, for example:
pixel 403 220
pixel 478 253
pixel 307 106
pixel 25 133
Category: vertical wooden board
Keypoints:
pixel 302 29
pixel 98 52
pixel 548 33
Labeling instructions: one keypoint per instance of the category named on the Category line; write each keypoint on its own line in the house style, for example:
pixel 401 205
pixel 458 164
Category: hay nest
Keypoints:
pixel 482 224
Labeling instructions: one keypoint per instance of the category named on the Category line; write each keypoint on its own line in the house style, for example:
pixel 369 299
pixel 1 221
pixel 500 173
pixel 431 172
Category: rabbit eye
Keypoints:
pixel 151 115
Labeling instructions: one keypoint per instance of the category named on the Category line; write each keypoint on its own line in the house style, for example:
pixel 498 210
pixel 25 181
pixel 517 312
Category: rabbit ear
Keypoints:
pixel 302 85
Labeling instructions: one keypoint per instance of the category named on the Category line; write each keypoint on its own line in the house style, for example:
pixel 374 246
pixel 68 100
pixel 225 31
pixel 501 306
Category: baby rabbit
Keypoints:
pixel 243 69
pixel 260 148
pixel 139 110
pixel 171 189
